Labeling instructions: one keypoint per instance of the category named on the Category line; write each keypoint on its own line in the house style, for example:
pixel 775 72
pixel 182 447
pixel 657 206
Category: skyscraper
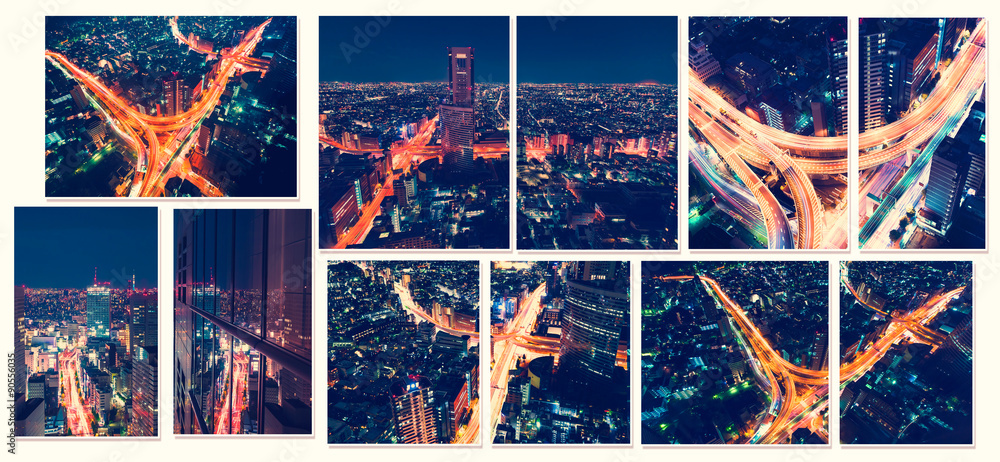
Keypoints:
pixel 837 42
pixel 144 393
pixel 143 324
pixel 460 76
pixel 596 311
pixel 413 411
pixel 873 77
pixel 458 119
pixel 20 367
pixel 242 309
pixel 99 310
pixel 949 169
pixel 177 95
pixel 701 60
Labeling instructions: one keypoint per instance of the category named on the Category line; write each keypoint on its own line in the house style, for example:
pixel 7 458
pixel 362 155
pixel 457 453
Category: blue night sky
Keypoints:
pixel 597 49
pixel 411 49
pixel 58 247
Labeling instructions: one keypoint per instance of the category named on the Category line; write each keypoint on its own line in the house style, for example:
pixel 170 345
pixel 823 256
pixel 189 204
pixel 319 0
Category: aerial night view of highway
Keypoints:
pixel 906 352
pixel 403 362
pixel 597 132
pixel 242 314
pixel 735 352
pixel 85 322
pixel 158 106
pixel 413 133
pixel 767 112
pixel 922 147
pixel 559 352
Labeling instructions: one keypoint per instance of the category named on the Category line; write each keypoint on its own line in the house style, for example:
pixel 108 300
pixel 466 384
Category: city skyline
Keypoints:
pixel 85 354
pixel 597 162
pixel 417 165
pixel 396 49
pixel 563 49
pixel 107 239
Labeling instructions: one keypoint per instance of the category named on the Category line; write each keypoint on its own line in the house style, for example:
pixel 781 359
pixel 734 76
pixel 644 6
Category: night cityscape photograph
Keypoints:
pixel 767 113
pixel 922 147
pixel 413 133
pixel 156 106
pixel 906 352
pixel 597 132
pixel 403 362
pixel 242 322
pixel 559 352
pixel 735 352
pixel 85 324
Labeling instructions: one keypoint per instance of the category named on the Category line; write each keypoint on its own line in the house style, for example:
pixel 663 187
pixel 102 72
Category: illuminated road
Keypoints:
pixel 798 157
pixel 911 326
pixel 729 134
pixel 921 130
pixel 470 433
pixel 733 198
pixel 401 160
pixel 229 413
pixel 160 140
pixel 411 307
pixel 794 390
pixel 78 415
pixel 507 357
pixel 730 148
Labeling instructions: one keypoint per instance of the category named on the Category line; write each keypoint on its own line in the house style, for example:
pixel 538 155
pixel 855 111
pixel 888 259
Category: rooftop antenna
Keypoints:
pixel 95 275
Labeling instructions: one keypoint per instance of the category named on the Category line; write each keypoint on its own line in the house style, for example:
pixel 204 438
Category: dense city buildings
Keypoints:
pixel 768 121
pixel 597 133
pixel 923 133
pixel 906 352
pixel 85 348
pixel 559 352
pixel 242 322
pixel 403 362
pixel 415 155
pixel 735 352
pixel 154 106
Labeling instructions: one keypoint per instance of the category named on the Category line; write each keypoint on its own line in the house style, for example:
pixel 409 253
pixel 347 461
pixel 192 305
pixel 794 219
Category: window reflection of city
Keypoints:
pixel 243 320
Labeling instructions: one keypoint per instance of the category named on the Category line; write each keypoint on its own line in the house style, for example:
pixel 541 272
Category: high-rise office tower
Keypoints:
pixel 701 61
pixel 177 95
pixel 242 307
pixel 837 42
pixel 142 323
pixel 458 119
pixel 460 76
pixel 413 411
pixel 949 169
pixel 595 312
pixel 99 310
pixel 873 76
pixel 144 393
pixel 20 367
